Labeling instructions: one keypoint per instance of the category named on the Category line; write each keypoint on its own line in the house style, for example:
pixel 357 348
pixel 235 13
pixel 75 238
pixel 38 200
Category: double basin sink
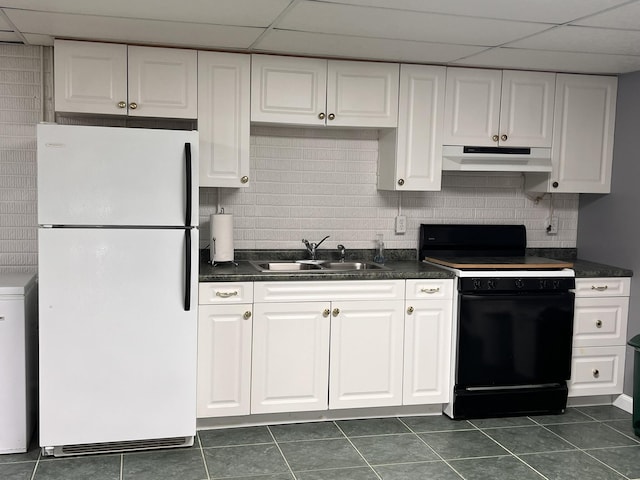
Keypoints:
pixel 310 266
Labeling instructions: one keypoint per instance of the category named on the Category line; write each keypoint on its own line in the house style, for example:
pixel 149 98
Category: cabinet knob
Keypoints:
pixel 555 184
pixel 401 181
pixel 326 312
pixel 122 104
pixel 244 179
pixel 336 312
pixel 321 115
pixel 410 310
pixel 331 116
pixel 504 138
pixel 495 138
pixel 133 105
pixel 247 315
pixel 599 323
pixel 596 373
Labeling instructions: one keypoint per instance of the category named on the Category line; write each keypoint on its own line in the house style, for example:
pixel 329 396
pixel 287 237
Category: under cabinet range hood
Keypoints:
pixel 496 159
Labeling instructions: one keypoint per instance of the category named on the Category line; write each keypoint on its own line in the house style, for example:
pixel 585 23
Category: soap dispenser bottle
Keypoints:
pixel 379 255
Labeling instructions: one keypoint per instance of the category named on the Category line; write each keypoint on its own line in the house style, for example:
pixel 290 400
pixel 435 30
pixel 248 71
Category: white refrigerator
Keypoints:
pixel 118 268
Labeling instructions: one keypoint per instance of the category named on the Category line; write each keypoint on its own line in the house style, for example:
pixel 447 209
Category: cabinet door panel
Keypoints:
pixel 224 360
pixel 223 118
pixel 290 357
pixel 427 352
pixel 582 150
pixel 288 90
pixel 90 77
pixel 362 94
pixel 597 371
pixel 472 106
pixel 163 82
pixel 366 354
pixel 526 109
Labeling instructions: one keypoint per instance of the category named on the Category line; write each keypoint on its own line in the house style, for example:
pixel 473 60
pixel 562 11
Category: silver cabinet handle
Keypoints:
pixel 596 373
pixel 321 115
pixel 495 138
pixel 599 289
pixel 122 104
pixel 331 116
pixel 247 315
pixel 326 312
pixel 226 294
pixel 133 105
pixel 410 310
pixel 244 179
pixel 430 290
pixel 336 312
pixel 503 138
pixel 599 323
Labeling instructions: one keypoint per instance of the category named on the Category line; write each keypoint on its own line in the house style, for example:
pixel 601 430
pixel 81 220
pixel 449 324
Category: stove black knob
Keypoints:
pixel 518 283
pixel 556 284
pixel 477 283
pixel 543 283
pixel 491 284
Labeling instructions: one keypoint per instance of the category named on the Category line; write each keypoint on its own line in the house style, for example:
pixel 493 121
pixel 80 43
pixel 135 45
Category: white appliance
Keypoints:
pixel 18 361
pixel 118 269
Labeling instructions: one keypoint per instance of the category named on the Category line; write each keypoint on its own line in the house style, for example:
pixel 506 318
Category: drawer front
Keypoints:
pixel 597 371
pixel 225 292
pixel 425 289
pixel 329 290
pixel 600 321
pixel 603 287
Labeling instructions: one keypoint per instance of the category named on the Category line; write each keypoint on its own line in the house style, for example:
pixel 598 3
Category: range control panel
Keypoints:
pixel 516 284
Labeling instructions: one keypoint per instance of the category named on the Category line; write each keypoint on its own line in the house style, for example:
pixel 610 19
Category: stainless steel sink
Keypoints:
pixel 320 267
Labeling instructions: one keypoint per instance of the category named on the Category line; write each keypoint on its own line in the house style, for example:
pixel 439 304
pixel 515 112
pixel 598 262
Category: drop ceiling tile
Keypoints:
pixel 221 12
pixel 334 18
pixel 545 11
pixel 318 44
pixel 584 39
pixel 626 16
pixel 6 36
pixel 517 58
pixel 124 30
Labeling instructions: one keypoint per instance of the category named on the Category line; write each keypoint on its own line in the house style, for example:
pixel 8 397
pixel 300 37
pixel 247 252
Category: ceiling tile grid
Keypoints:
pixel 585 36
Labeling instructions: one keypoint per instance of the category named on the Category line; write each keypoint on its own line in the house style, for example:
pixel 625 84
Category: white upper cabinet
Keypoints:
pixel 125 80
pixel 410 157
pixel 582 152
pixel 307 91
pixel 224 118
pixel 90 77
pixel 498 108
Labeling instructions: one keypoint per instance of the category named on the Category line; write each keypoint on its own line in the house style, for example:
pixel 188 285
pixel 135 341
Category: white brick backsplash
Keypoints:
pixel 312 182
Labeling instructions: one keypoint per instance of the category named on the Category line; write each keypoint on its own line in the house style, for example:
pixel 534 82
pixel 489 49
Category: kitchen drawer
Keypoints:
pixel 600 321
pixel 603 287
pixel 426 289
pixel 597 371
pixel 225 292
pixel 329 290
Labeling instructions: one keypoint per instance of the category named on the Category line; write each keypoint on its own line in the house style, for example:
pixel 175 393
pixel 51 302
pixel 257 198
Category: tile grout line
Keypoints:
pixel 281 452
pixel 433 450
pixel 204 460
pixel 356 449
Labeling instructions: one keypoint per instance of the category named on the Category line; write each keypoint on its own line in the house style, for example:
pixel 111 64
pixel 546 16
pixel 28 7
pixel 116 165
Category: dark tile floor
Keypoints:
pixel 586 443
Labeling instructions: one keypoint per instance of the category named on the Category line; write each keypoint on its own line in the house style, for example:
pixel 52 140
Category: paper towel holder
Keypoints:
pixel 215 264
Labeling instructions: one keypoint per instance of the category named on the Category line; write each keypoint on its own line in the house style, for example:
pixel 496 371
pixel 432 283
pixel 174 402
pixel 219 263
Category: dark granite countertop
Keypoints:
pixel 401 265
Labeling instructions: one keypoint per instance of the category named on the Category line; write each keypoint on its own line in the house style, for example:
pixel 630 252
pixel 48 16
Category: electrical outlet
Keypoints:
pixel 401 224
pixel 551 225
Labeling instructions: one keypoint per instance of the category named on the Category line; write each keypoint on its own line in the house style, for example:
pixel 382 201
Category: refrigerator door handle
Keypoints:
pixel 189 192
pixel 187 274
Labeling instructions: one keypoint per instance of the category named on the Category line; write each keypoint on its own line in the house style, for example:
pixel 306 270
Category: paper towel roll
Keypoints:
pixel 222 237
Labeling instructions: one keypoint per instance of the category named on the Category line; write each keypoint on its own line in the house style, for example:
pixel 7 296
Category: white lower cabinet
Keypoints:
pixel 224 349
pixel 599 336
pixel 427 341
pixel 366 354
pixel 299 346
pixel 290 357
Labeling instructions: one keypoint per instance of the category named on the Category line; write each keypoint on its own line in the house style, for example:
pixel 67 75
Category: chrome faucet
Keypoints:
pixel 313 247
pixel 342 251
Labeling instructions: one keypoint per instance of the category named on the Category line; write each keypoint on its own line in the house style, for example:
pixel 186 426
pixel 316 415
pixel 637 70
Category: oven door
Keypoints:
pixel 509 339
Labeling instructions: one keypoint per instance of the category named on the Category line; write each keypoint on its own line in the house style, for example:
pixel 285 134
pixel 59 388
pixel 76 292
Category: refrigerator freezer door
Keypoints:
pixel 116 176
pixel 117 348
